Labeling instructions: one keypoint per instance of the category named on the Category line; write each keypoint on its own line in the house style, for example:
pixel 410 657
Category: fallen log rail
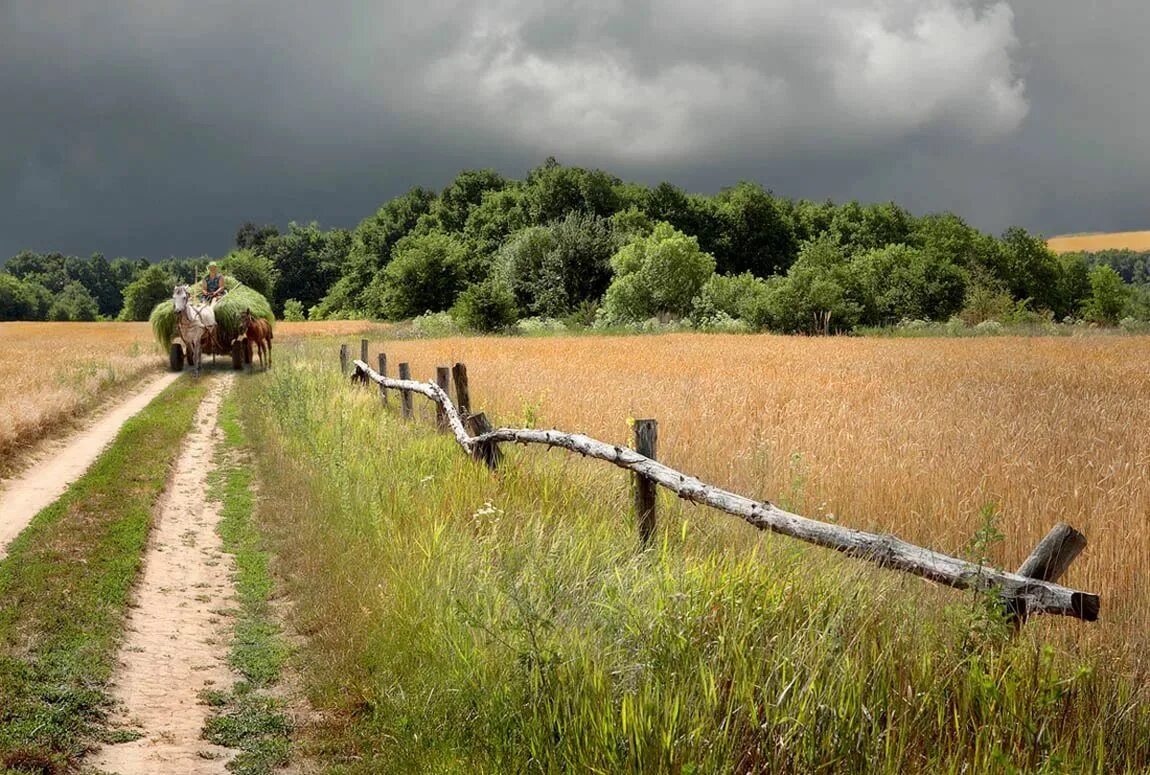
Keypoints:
pixel 1029 591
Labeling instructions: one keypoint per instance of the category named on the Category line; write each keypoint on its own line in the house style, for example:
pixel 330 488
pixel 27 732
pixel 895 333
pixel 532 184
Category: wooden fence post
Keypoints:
pixel 363 350
pixel 343 359
pixel 405 395
pixel 443 379
pixel 646 439
pixel 462 391
pixel 487 451
pixel 1049 560
pixel 383 373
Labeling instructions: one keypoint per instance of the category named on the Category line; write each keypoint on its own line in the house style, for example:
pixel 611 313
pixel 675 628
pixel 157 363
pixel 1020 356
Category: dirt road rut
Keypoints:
pixel 176 643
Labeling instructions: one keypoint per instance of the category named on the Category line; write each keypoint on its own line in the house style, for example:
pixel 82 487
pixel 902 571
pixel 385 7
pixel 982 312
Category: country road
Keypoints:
pixel 65 460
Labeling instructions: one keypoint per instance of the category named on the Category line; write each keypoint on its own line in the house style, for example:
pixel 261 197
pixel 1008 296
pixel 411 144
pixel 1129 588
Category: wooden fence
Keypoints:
pixel 1030 590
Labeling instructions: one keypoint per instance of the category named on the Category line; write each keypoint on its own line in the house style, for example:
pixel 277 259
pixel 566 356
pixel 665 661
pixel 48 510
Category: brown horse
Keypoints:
pixel 258 332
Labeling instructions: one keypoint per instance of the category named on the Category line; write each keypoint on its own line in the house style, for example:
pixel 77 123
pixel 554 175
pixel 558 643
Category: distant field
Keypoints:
pixel 1115 240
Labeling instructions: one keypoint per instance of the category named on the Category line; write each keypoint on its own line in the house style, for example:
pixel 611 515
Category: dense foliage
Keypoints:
pixel 573 244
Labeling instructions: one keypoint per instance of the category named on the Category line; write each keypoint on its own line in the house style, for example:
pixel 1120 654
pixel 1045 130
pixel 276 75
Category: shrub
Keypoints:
pixel 657 276
pixel 431 325
pixel 293 311
pixel 539 326
pixel 733 297
pixel 985 303
pixel 486 307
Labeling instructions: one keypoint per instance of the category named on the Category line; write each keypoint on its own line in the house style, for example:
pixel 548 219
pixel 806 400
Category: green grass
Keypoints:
pixel 457 621
pixel 65 584
pixel 249 717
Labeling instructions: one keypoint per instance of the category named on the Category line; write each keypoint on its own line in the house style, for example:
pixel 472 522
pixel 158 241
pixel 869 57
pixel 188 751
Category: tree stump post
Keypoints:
pixel 405 395
pixel 646 442
pixel 443 379
pixel 383 373
pixel 363 350
pixel 1049 560
pixel 462 391
pixel 486 451
pixel 343 359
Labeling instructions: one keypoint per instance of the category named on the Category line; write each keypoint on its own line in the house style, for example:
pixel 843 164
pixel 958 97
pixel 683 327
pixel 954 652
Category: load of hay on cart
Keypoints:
pixel 226 337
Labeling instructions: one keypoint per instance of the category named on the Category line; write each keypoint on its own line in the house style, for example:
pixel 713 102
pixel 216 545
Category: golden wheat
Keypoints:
pixel 1117 240
pixel 53 371
pixel 914 437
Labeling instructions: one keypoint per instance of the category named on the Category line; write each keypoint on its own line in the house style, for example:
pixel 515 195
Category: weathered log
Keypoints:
pixel 404 395
pixel 885 550
pixel 1049 560
pixel 646 433
pixel 343 359
pixel 443 380
pixel 487 451
pixel 383 372
pixel 462 390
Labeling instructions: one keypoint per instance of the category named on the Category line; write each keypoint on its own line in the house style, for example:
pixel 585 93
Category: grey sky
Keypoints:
pixel 155 127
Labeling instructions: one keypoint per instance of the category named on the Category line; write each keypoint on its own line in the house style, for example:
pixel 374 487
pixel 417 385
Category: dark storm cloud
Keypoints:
pixel 155 128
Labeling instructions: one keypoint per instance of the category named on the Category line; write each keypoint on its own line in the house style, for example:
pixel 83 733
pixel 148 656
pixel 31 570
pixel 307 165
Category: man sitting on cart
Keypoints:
pixel 213 287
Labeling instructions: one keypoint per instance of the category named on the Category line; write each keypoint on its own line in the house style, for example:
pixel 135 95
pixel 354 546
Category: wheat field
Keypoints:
pixel 1117 240
pixel 914 437
pixel 53 372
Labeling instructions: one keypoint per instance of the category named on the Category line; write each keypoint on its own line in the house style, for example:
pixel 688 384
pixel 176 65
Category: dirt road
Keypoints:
pixel 62 462
pixel 177 629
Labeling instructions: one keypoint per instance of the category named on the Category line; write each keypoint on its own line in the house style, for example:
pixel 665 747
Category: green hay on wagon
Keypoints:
pixel 228 311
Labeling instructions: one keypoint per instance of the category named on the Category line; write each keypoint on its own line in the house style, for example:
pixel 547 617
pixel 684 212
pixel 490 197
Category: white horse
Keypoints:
pixel 193 322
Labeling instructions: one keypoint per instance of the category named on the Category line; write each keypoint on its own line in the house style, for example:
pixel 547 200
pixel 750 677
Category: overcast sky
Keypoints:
pixel 154 127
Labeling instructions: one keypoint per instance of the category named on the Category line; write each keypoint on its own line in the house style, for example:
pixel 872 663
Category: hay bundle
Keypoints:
pixel 228 311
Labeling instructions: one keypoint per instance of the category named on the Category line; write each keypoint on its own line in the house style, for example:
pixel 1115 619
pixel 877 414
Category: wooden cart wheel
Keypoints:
pixel 176 357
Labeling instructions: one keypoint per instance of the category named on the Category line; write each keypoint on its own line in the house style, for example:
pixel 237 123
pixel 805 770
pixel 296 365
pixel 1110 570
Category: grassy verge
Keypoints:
pixel 248 716
pixel 463 622
pixel 65 584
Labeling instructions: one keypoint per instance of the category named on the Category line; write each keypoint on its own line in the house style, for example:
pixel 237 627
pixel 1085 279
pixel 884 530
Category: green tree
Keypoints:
pixel 252 237
pixel 307 261
pixel 1029 269
pixel 658 275
pixel 253 269
pixel 369 252
pixel 819 293
pixel 897 282
pixel 755 234
pixel 1108 296
pixel 451 209
pixel 145 292
pixel 735 296
pixel 425 274
pixel 486 307
pixel 17 300
pixel 74 303
pixel 552 191
pixel 1073 284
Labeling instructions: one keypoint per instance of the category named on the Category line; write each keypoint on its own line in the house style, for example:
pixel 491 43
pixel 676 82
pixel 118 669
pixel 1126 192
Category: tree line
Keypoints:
pixel 583 247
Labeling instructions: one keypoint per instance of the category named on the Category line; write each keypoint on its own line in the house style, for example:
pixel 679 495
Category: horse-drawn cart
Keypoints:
pixel 189 331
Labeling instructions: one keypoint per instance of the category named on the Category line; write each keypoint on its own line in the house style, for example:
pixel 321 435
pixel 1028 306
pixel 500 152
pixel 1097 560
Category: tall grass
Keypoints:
pixel 459 621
